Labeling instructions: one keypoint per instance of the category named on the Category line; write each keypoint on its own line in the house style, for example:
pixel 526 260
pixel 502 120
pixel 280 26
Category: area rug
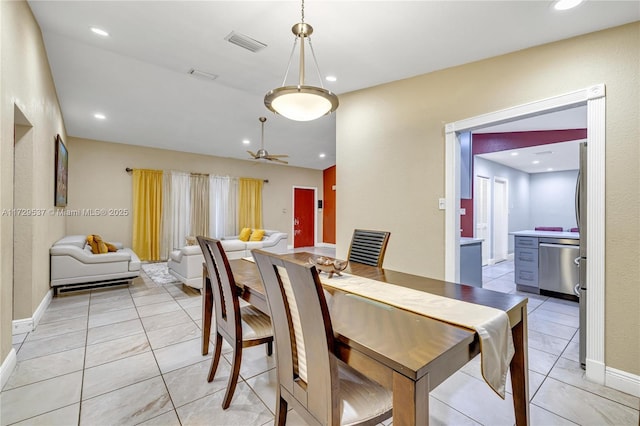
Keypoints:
pixel 159 273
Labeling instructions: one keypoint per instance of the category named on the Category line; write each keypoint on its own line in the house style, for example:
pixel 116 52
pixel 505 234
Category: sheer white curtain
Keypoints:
pixel 199 205
pixel 223 201
pixel 175 211
pixel 166 217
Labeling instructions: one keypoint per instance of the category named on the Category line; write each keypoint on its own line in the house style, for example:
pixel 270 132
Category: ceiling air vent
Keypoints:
pixel 245 42
pixel 202 74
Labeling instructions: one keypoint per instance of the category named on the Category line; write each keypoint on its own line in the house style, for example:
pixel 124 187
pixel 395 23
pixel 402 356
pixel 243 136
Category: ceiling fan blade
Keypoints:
pixel 252 154
pixel 277 160
pixel 278 155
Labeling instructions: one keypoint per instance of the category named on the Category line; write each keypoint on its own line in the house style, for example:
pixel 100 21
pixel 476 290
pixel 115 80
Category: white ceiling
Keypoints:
pixel 138 76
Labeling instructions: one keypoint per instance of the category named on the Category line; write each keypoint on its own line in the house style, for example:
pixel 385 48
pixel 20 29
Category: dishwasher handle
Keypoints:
pixel 557 245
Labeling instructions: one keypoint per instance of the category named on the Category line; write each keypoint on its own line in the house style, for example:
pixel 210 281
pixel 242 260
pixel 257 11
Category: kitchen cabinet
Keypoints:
pixel 526 264
pixel 471 261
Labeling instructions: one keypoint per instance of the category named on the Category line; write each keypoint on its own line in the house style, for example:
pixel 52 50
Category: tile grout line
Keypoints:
pixel 153 353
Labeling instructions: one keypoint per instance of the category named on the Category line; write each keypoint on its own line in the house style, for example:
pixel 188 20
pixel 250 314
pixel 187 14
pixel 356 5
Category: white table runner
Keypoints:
pixel 492 325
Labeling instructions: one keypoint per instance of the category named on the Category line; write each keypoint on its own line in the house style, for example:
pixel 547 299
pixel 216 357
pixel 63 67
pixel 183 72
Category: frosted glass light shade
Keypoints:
pixel 301 103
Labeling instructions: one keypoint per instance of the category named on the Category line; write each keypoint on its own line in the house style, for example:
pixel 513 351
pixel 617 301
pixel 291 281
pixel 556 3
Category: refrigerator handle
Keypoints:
pixel 576 289
pixel 576 261
pixel 577 199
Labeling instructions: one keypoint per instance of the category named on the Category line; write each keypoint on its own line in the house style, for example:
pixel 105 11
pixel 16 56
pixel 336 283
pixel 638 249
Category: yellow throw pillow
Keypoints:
pixel 257 235
pixel 244 234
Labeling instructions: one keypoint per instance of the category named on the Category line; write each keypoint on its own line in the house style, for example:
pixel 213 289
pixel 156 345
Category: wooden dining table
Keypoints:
pixel 406 352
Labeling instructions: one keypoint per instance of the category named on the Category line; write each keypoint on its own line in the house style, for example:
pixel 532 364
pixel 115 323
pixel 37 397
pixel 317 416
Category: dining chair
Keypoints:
pixel 368 247
pixel 240 326
pixel 320 387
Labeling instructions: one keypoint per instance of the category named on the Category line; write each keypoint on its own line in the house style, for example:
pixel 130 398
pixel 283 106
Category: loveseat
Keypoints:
pixel 73 264
pixel 186 263
pixel 273 241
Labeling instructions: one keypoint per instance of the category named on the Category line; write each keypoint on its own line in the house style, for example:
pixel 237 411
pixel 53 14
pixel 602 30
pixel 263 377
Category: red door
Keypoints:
pixel 303 217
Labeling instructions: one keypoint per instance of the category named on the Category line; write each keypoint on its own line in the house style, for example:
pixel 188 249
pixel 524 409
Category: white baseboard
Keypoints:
pixel 622 381
pixel 595 371
pixel 26 325
pixel 7 366
pixel 511 257
pixel 329 245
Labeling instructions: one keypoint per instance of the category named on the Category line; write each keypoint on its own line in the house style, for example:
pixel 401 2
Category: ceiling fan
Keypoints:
pixel 262 153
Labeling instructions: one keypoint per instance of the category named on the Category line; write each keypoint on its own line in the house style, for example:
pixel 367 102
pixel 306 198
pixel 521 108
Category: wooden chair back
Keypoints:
pixel 368 247
pixel 225 298
pixel 307 368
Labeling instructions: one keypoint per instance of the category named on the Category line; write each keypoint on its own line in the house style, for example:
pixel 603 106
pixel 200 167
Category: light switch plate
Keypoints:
pixel 441 203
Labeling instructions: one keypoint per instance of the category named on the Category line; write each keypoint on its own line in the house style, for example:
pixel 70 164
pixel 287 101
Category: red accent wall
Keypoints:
pixel 329 206
pixel 483 143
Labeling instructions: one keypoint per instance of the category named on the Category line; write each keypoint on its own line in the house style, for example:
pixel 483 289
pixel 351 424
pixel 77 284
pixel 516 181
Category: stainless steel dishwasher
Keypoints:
pixel 557 271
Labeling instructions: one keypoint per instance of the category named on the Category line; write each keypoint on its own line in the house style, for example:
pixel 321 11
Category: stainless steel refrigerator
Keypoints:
pixel 581 261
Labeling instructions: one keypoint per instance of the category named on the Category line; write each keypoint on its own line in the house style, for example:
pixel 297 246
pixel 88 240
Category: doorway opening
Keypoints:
pixel 595 100
pixel 22 224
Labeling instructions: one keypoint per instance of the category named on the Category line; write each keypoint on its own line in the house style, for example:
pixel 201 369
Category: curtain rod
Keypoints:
pixel 129 170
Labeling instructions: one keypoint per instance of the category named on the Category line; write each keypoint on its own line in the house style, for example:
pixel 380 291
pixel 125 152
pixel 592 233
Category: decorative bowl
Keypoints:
pixel 329 265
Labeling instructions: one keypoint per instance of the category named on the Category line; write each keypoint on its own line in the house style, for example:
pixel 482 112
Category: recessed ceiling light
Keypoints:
pixel 246 141
pixel 514 154
pixel 535 162
pixel 322 155
pixel 99 31
pixel 566 4
pixel 331 78
pixel 550 169
pixel 100 116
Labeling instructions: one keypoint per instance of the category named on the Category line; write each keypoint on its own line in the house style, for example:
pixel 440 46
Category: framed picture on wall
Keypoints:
pixel 62 164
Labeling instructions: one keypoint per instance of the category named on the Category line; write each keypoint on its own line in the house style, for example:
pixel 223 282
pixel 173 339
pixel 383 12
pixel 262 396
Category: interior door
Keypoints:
pixel 500 220
pixel 481 210
pixel 304 217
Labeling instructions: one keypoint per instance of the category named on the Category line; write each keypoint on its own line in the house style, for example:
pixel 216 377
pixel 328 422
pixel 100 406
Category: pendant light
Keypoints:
pixel 301 102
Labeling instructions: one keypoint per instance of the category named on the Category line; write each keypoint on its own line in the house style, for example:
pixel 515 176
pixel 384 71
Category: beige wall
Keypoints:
pixel 28 97
pixel 393 135
pixel 97 179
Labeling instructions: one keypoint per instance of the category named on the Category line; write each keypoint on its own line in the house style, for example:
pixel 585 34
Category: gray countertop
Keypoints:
pixel 546 234
pixel 466 241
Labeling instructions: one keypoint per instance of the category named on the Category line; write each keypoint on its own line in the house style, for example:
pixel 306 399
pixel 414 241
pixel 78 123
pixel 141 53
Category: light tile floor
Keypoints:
pixel 132 356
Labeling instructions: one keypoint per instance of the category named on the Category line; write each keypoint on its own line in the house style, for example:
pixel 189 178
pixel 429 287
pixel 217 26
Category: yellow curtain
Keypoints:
pixel 250 203
pixel 147 213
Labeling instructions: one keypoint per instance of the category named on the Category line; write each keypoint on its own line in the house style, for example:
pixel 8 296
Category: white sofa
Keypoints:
pixel 74 265
pixel 186 263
